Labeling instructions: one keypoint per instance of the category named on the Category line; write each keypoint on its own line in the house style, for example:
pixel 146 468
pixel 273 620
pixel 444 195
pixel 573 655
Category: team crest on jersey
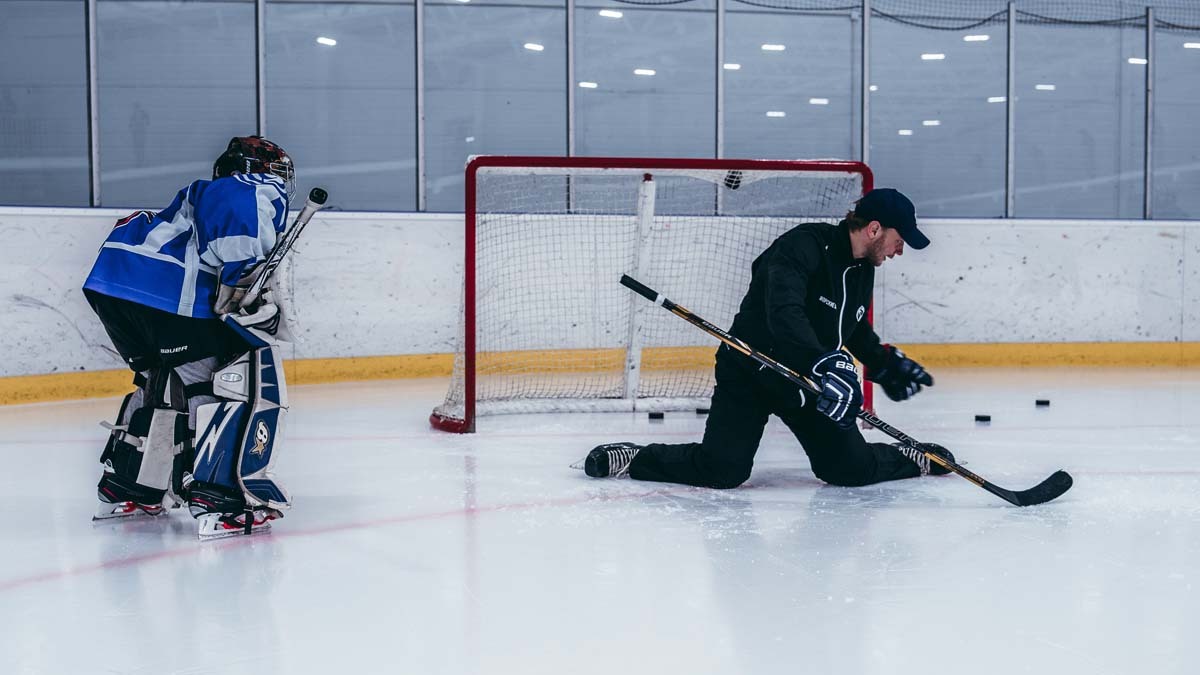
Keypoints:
pixel 859 314
pixel 262 436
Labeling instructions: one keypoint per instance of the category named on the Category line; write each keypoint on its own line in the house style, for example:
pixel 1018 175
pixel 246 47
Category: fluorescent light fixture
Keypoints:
pixel 818 101
pixel 932 57
pixel 733 66
pixel 1191 45
pixel 588 85
pixel 1044 87
pixel 997 99
pixel 464 0
pixel 904 132
pixel 328 42
pixel 534 47
pixel 643 71
pixel 874 87
pixel 976 38
pixel 774 48
pixel 776 113
pixel 1138 61
pixel 470 139
pixel 611 14
pixel 931 123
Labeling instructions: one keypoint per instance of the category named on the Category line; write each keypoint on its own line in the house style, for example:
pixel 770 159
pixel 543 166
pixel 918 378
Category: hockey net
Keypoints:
pixel 546 327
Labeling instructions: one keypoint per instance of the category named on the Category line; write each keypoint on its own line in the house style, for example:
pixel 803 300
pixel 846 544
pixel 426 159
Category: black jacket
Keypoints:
pixel 809 296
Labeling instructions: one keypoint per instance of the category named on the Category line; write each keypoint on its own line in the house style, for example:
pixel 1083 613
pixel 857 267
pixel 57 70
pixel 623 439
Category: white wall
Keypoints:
pixel 375 284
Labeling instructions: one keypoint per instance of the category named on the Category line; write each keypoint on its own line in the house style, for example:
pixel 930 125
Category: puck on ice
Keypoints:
pixel 983 418
pixel 1043 401
pixel 701 411
pixel 656 415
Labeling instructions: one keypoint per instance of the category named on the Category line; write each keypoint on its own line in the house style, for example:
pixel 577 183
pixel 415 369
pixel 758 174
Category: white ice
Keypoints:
pixel 414 551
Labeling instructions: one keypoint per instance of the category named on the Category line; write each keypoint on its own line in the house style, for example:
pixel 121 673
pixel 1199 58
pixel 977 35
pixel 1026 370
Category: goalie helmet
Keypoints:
pixel 255 154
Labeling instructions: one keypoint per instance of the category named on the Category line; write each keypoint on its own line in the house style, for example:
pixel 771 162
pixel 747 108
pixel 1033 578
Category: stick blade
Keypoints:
pixel 1048 490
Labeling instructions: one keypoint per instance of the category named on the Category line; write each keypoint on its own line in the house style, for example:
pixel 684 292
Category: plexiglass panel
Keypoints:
pixel 176 83
pixel 341 99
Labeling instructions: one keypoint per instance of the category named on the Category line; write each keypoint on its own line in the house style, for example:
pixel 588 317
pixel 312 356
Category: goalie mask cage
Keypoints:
pixel 546 325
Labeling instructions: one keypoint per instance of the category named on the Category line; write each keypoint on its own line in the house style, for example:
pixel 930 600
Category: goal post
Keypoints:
pixel 546 326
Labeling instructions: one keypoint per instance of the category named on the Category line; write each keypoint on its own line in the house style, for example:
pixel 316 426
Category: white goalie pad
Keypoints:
pixel 238 437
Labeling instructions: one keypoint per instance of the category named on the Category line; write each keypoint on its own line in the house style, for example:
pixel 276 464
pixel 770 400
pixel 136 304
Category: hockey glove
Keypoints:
pixel 900 377
pixel 841 393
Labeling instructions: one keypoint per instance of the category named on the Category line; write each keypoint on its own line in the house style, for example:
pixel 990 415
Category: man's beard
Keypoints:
pixel 875 252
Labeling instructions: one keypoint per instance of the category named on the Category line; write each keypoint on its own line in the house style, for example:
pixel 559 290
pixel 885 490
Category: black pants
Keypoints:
pixel 742 402
pixel 149 338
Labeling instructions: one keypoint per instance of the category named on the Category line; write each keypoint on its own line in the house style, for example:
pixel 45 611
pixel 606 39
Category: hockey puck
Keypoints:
pixel 701 411
pixel 983 418
pixel 1043 402
pixel 656 415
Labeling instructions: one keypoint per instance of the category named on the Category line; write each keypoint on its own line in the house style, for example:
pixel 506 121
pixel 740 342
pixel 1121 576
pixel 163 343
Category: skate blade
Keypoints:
pixel 127 511
pixel 212 527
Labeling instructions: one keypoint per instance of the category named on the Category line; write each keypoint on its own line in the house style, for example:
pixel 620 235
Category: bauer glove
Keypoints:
pixel 841 394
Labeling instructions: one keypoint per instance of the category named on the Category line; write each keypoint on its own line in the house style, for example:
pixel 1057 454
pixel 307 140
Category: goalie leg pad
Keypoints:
pixel 141 452
pixel 237 436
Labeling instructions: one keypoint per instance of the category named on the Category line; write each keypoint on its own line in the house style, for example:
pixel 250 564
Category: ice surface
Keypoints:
pixel 414 551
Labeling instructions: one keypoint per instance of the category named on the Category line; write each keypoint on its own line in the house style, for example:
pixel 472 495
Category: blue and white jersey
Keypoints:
pixel 210 234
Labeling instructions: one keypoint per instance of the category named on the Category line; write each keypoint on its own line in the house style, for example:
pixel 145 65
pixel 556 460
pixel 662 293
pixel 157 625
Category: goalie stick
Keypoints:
pixel 262 274
pixel 1051 488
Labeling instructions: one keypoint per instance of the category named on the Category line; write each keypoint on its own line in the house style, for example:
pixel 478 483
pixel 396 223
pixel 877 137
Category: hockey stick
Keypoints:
pixel 316 201
pixel 1058 482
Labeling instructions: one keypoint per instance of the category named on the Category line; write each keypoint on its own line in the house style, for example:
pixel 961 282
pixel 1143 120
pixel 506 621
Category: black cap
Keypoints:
pixel 892 209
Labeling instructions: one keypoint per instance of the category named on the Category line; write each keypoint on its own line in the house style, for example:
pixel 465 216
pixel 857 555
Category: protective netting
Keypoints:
pixel 964 14
pixel 556 331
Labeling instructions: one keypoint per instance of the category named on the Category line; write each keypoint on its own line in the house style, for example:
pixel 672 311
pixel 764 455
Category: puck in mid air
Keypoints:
pixel 983 418
pixel 655 415
pixel 1041 402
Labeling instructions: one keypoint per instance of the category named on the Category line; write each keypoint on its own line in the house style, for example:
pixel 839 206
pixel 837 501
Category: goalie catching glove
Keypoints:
pixel 900 377
pixel 841 394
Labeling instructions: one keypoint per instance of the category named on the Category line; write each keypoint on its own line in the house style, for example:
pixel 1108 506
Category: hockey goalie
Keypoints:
pixel 181 295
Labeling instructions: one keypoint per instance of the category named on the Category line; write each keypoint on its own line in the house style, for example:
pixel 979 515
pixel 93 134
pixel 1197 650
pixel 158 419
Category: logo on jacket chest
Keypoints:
pixel 859 314
pixel 827 301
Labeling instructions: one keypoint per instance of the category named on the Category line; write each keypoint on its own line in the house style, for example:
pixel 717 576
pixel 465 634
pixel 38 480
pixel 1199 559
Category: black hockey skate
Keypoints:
pixel 124 499
pixel 610 460
pixel 221 513
pixel 927 467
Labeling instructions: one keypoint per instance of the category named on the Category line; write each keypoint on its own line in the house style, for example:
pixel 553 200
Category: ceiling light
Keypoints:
pixel 1191 45
pixel 776 113
pixel 874 87
pixel 733 66
pixel 328 42
pixel 976 38
pixel 1044 87
pixel 643 71
pixel 588 85
pixel 470 139
pixel 611 14
pixel 997 99
pixel 774 48
pixel 931 123
pixel 1138 61
pixel 818 101
pixel 932 57
pixel 905 132
pixel 534 47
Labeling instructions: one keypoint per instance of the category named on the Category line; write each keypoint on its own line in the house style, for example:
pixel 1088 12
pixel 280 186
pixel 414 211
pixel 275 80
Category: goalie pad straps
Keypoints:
pixel 238 435
pixel 142 452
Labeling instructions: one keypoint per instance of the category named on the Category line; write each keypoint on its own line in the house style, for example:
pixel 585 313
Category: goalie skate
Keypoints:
pixel 221 525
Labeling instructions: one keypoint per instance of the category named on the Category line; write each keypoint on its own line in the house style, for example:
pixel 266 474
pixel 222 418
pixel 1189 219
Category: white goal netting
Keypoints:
pixel 555 331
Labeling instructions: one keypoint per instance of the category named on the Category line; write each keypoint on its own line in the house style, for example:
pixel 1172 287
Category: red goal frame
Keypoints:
pixel 467 425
